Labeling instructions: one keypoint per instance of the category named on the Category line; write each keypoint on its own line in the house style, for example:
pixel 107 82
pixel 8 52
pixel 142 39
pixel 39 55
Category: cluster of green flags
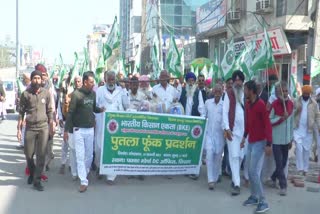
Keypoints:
pixel 113 42
pixel 251 60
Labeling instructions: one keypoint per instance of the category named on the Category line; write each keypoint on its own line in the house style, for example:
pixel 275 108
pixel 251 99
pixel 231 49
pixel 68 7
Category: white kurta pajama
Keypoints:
pixel 189 104
pixel 236 154
pixel 111 102
pixel 166 95
pixel 214 139
pixel 303 140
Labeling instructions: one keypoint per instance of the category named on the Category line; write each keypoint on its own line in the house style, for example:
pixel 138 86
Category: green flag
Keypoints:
pixel 293 88
pixel 264 56
pixel 155 58
pixel 173 59
pixel 100 69
pixel 244 61
pixel 75 69
pixel 228 61
pixel 113 40
pixel 62 70
pixel 21 87
pixel 315 67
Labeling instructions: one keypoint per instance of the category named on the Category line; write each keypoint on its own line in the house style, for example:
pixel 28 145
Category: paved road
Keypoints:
pixel 156 195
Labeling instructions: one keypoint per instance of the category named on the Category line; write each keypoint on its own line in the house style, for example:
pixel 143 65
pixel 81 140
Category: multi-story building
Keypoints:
pixel 157 17
pixel 288 23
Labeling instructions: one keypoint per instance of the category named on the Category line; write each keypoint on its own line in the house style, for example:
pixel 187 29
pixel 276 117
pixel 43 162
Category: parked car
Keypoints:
pixel 11 94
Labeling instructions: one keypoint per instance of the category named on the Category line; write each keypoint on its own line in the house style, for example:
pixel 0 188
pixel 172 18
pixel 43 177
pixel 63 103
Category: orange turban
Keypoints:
pixel 307 89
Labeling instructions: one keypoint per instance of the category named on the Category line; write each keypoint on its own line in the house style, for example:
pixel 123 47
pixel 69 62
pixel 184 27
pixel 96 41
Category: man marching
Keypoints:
pixel 111 98
pixel 81 119
pixel 233 123
pixel 214 136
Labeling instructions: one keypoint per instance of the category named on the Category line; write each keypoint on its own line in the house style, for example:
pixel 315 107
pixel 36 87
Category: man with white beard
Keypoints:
pixel 214 136
pixel 233 123
pixel 191 97
pixel 111 97
pixel 136 97
pixel 144 87
pixel 192 101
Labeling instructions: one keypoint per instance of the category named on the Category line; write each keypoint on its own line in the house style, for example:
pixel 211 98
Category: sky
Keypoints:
pixel 55 26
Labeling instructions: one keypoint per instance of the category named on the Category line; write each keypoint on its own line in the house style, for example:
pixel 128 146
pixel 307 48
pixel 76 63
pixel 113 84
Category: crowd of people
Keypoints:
pixel 248 124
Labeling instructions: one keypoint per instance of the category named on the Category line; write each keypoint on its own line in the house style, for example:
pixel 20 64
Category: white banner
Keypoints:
pixel 278 39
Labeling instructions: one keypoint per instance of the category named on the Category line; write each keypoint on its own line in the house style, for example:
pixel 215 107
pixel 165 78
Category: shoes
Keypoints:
pixel 211 185
pixel 246 183
pixel 283 192
pixel 44 178
pixel 262 207
pixel 62 169
pixel 20 147
pixel 94 167
pixel 38 186
pixel 109 182
pixel 219 179
pixel 235 191
pixel 30 179
pixel 83 188
pixel 194 177
pixel 251 201
pixel 272 184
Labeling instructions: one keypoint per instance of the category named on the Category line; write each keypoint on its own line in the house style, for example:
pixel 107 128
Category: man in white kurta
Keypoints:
pixel 306 119
pixel 135 96
pixel 234 107
pixel 165 92
pixel 110 97
pixel 214 138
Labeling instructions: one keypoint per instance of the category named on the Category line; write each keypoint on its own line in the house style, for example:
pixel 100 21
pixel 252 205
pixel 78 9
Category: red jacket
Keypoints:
pixel 257 122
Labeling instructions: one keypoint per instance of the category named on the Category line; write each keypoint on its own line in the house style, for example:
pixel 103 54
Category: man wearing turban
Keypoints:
pixel 233 124
pixel 306 118
pixel 191 97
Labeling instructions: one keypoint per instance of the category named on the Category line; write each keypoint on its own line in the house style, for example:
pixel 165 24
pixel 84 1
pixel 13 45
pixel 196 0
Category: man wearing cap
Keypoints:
pixel 111 97
pixel 36 104
pixel 191 97
pixel 144 87
pixel 48 85
pixel 306 118
pixel 233 124
pixel 165 92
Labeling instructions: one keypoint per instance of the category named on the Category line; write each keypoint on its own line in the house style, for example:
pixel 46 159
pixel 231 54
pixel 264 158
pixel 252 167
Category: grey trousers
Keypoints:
pixel 36 143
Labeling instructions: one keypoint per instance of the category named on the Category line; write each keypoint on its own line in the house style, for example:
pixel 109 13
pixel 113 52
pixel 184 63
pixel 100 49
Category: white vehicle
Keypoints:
pixel 11 94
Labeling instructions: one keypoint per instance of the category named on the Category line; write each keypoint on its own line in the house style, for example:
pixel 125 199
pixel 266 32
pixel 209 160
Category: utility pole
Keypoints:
pixel 17 38
pixel 160 35
pixel 316 46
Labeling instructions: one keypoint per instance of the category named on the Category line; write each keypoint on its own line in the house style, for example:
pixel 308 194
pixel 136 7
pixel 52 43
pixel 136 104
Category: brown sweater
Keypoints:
pixel 37 107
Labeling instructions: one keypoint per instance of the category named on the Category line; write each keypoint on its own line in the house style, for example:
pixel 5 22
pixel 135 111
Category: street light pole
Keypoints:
pixel 17 38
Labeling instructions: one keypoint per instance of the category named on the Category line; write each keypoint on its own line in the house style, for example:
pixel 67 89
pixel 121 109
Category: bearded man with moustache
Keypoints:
pixel 234 124
pixel 306 118
pixel 36 108
pixel 191 97
pixel 281 117
pixel 110 96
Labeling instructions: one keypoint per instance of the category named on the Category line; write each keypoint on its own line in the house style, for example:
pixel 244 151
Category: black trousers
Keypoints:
pixel 280 153
pixel 36 143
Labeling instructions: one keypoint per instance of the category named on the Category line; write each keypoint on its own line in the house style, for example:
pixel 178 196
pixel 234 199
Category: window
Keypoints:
pixel 281 8
pixel 186 20
pixel 178 10
pixel 178 20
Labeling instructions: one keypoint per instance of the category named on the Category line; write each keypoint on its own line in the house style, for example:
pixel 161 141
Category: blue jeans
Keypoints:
pixel 255 158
